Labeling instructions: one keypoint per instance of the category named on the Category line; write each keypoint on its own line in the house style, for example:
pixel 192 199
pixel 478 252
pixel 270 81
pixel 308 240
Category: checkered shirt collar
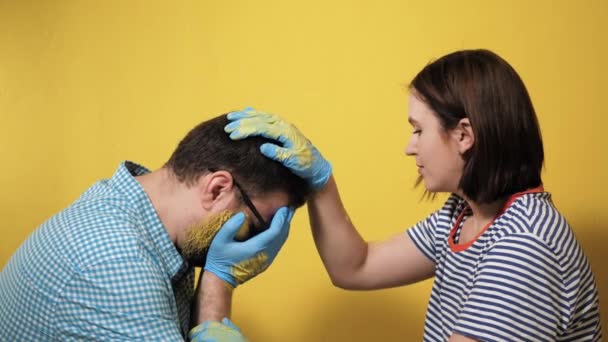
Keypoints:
pixel 123 180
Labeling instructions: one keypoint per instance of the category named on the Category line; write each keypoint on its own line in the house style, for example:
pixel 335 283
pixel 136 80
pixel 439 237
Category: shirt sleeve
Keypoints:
pixel 422 234
pixel 430 235
pixel 118 300
pixel 517 294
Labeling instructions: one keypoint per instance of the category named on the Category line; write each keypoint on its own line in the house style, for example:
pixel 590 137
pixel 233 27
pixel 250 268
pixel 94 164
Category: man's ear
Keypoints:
pixel 464 136
pixel 215 188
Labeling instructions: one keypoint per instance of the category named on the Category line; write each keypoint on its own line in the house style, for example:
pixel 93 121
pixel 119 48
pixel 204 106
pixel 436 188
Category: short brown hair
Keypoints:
pixel 507 156
pixel 207 147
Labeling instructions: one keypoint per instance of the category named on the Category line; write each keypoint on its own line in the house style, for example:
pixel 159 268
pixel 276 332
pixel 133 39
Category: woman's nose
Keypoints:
pixel 410 149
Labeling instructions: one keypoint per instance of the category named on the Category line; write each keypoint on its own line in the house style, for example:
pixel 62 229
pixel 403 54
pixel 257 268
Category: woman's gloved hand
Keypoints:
pixel 297 153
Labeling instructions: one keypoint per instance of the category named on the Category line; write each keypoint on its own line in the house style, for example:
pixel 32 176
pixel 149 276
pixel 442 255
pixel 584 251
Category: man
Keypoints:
pixel 118 263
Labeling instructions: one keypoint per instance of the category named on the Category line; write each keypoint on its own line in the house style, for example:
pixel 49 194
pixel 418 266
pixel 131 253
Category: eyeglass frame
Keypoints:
pixel 248 202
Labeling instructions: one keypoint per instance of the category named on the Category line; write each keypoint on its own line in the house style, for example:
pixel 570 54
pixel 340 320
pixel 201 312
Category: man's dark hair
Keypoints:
pixel 207 146
pixel 507 156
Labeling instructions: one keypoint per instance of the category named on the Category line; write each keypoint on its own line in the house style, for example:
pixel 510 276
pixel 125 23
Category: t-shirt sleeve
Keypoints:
pixel 517 294
pixel 430 235
pixel 120 299
pixel 423 236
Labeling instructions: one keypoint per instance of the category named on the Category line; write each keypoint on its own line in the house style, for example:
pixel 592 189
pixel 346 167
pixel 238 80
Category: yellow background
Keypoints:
pixel 87 84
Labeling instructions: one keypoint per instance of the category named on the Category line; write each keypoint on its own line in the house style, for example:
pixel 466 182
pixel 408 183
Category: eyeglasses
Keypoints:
pixel 262 224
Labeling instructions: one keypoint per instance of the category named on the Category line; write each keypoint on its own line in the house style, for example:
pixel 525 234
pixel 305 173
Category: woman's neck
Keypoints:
pixel 484 213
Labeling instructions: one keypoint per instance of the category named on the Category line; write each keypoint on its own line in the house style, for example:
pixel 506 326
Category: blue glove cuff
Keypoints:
pixel 227 278
pixel 322 177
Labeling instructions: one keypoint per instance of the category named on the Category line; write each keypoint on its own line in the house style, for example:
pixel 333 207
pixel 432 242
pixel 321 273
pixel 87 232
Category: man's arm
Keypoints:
pixel 213 299
pixel 211 309
pixel 229 264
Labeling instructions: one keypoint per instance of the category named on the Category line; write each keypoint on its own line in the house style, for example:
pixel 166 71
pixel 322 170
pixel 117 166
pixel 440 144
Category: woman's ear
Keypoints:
pixel 465 138
pixel 215 188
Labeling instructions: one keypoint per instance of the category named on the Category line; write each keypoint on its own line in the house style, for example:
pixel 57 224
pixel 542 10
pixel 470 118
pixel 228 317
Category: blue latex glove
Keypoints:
pixel 297 152
pixel 210 331
pixel 236 262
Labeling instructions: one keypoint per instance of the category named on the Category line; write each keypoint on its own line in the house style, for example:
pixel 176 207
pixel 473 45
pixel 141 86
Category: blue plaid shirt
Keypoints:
pixel 102 269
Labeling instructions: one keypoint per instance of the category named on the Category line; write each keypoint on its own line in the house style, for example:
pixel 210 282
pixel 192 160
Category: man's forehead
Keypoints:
pixel 274 200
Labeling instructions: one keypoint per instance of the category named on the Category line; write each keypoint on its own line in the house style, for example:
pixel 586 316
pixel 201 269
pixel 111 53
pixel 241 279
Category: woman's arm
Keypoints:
pixel 353 263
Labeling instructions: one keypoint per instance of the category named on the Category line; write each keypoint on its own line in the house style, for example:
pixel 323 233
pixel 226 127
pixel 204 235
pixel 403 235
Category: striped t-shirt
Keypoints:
pixel 525 278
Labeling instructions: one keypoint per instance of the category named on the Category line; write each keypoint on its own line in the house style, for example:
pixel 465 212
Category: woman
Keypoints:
pixel 506 264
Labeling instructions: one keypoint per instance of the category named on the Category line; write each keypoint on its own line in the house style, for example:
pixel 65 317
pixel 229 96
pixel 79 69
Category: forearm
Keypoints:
pixel 213 299
pixel 340 246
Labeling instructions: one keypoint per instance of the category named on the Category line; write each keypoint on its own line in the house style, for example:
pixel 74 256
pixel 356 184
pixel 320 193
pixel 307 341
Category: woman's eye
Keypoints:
pixel 417 131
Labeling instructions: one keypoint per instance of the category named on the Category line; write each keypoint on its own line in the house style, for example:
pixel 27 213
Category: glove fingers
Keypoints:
pixel 230 228
pixel 239 114
pixel 292 211
pixel 253 127
pixel 246 123
pixel 246 132
pixel 236 115
pixel 278 231
pixel 280 154
pixel 286 225
pixel 250 113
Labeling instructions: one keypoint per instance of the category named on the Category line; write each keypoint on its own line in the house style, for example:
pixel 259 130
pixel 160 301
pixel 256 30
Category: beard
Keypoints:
pixel 200 235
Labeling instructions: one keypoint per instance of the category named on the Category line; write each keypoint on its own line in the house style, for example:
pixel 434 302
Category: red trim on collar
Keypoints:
pixel 461 247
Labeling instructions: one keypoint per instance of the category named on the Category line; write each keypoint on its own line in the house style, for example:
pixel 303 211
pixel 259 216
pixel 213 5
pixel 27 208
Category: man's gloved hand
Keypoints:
pixel 210 331
pixel 297 153
pixel 236 262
